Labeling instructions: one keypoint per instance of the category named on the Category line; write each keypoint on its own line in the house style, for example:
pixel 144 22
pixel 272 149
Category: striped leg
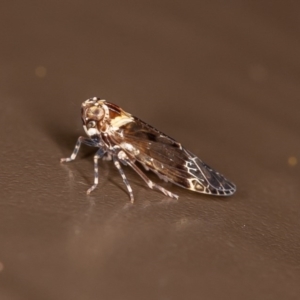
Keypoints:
pixel 97 156
pixel 118 166
pixel 124 158
pixel 80 140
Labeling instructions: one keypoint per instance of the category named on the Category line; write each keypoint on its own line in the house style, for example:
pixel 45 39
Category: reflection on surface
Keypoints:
pixel 292 161
pixel 40 71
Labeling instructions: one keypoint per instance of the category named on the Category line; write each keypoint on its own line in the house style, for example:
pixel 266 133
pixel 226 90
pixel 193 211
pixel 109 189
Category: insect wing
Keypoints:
pixel 170 161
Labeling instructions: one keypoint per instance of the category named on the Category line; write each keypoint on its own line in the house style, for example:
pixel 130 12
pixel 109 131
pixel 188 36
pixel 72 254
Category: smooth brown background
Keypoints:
pixel 222 77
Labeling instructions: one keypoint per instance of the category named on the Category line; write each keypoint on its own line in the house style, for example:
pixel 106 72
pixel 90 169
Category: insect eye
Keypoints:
pixel 91 124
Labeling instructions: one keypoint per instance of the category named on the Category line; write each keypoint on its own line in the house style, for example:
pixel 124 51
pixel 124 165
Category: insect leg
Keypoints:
pixel 97 156
pixel 118 166
pixel 80 140
pixel 124 158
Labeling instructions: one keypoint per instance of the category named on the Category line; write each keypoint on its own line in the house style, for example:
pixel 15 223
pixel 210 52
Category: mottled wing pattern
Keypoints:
pixel 170 161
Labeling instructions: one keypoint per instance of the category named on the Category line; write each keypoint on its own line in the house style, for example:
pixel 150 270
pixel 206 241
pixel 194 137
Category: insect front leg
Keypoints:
pixel 125 159
pixel 99 154
pixel 80 140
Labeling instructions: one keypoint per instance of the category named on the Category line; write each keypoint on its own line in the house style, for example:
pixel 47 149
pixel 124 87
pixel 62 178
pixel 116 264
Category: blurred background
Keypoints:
pixel 220 77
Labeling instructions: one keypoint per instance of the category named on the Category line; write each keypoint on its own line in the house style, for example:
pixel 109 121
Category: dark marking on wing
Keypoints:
pixel 170 161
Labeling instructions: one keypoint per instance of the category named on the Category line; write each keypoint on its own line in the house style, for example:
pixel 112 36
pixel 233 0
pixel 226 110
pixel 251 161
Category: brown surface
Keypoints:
pixel 223 79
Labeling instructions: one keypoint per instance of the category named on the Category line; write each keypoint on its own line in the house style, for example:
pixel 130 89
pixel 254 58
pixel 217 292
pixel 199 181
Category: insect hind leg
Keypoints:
pixel 118 166
pixel 125 159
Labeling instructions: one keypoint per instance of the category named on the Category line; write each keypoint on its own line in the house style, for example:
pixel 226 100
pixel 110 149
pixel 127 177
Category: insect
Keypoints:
pixel 126 139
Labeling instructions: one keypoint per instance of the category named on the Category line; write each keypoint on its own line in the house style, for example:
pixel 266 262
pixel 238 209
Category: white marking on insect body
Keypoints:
pixel 120 121
pixel 122 155
pixel 129 148
pixel 92 131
